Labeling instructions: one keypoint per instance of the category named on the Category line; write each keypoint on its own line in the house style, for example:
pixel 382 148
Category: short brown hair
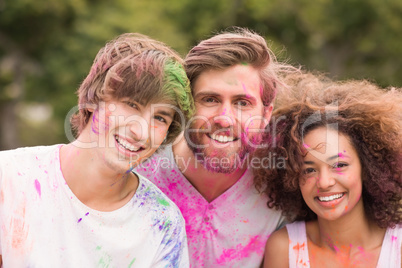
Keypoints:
pixel 238 46
pixel 137 67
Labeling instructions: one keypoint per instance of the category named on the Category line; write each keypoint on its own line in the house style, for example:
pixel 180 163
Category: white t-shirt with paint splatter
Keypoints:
pixel 231 231
pixel 43 224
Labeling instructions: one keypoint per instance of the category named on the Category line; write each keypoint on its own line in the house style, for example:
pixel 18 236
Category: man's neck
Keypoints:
pixel 209 184
pixel 93 184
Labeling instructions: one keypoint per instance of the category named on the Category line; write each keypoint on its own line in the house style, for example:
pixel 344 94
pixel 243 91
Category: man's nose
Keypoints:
pixel 139 128
pixel 225 116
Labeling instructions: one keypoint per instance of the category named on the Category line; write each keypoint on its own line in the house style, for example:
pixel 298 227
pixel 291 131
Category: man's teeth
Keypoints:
pixel 126 145
pixel 329 198
pixel 221 138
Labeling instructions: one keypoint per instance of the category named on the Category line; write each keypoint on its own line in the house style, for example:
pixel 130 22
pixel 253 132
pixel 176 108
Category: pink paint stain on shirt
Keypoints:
pixel 394 238
pixel 37 186
pixel 256 245
pixel 19 228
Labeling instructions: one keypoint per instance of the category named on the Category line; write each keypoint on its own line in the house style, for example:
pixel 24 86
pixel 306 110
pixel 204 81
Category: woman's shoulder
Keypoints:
pixel 277 249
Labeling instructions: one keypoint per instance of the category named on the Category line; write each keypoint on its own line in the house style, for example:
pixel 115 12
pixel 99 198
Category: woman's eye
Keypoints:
pixel 309 170
pixel 340 165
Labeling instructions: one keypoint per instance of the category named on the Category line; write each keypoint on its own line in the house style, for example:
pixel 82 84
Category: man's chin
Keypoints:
pixel 221 162
pixel 220 169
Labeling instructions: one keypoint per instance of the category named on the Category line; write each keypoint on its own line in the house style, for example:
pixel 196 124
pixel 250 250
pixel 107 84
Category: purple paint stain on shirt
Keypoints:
pixel 37 186
pixel 80 219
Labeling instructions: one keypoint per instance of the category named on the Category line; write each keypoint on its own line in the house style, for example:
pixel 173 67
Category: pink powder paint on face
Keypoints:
pixel 255 245
pixel 95 123
pixel 37 186
pixel 244 87
pixel 336 249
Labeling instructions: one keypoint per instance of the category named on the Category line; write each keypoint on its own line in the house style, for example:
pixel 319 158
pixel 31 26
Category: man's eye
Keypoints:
pixel 210 100
pixel 161 119
pixel 243 103
pixel 131 104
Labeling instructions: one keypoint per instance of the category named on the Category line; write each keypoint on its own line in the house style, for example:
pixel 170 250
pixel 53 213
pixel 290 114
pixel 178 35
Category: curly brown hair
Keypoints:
pixel 372 119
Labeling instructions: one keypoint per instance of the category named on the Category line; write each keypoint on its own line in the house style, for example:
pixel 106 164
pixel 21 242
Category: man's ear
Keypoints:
pixel 91 108
pixel 267 114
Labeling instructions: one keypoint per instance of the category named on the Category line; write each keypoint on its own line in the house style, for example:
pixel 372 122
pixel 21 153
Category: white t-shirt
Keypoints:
pixel 231 231
pixel 43 224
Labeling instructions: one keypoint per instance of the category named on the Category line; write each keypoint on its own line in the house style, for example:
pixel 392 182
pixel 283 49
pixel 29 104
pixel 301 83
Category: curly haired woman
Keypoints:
pixel 341 184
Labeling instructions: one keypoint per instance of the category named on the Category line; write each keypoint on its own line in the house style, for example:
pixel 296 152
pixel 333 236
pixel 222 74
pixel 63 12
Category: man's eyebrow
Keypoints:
pixel 214 94
pixel 166 113
pixel 309 162
pixel 206 93
pixel 245 96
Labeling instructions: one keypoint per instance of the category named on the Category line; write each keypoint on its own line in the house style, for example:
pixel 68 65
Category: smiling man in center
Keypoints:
pixel 234 78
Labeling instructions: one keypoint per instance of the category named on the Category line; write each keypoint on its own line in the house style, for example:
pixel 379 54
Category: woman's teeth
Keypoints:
pixel 329 198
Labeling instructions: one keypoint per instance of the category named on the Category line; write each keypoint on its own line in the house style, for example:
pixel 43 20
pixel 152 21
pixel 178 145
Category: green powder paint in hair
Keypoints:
pixel 177 85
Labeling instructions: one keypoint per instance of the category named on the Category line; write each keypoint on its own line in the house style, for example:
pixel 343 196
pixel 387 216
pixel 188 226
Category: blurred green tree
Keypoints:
pixel 344 38
pixel 28 30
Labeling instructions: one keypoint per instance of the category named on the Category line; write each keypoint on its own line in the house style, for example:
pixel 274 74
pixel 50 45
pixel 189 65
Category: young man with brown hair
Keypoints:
pixel 80 204
pixel 234 78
